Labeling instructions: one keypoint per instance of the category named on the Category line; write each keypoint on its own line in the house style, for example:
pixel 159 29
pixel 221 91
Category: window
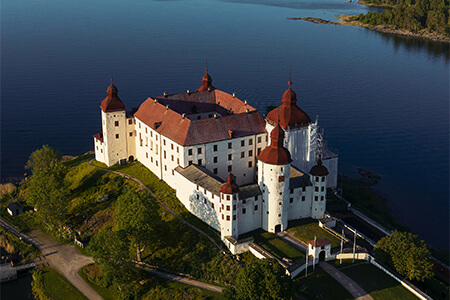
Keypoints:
pixel 230 156
pixel 256 207
pixel 178 149
pixel 279 215
pixel 151 159
pixel 190 152
pixel 212 196
pixel 222 216
pixel 204 201
pixel 199 117
pixel 198 189
pixel 234 217
pixel 199 162
pixel 130 121
pixel 145 129
pixel 215 171
pixel 250 153
pixel 258 151
pixel 228 208
pixel 259 139
pixel 215 159
pixel 249 164
pixel 131 133
pixel 117 136
pixel 303 198
pixel 215 148
pixel 146 154
pixel 151 133
pixel 101 150
pixel 291 191
pixel 242 143
pixel 321 198
pixel 234 207
pixel 173 173
pixel 244 201
pixel 156 137
pixel 280 203
pixel 316 188
pixel 172 157
pixel 139 125
pixel 316 198
pixel 116 123
pixel 250 142
pixel 212 204
pixel 243 211
pixel 164 142
pixel 291 200
pixel 171 146
pixel 190 162
pixel 229 146
pixel 230 168
pixel 223 207
pixel 242 154
pixel 317 179
pixel 322 189
pixel 164 154
pixel 228 218
pixel 178 161
pixel 198 197
pixel 156 163
pixel 165 167
pixel 323 178
pixel 228 197
pixel 199 150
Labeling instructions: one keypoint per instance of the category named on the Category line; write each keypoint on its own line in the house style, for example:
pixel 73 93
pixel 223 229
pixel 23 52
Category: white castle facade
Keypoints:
pixel 231 167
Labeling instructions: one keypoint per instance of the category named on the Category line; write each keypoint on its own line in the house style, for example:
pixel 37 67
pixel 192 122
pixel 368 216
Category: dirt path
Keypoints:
pixel 351 286
pixel 66 259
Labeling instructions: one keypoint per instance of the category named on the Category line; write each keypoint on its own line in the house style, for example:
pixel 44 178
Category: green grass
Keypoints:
pixel 307 229
pixel 12 244
pixel 156 288
pixel 320 285
pixel 56 287
pixel 376 283
pixel 276 246
pixel 104 292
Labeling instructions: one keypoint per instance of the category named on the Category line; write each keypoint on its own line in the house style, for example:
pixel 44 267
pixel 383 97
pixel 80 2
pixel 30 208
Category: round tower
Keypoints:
pixel 318 175
pixel 274 165
pixel 229 196
pixel 114 126
pixel 206 83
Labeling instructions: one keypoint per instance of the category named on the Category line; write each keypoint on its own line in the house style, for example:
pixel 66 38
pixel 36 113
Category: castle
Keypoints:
pixel 231 167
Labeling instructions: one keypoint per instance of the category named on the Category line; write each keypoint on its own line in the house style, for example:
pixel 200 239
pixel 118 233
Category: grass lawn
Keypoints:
pixel 320 285
pixel 276 246
pixel 157 288
pixel 57 287
pixel 378 284
pixel 306 229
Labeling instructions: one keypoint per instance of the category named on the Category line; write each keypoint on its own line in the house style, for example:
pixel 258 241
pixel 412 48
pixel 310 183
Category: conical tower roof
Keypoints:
pixel 112 101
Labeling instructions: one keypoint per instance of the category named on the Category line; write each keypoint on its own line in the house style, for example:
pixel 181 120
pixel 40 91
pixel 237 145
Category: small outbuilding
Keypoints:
pixel 14 209
pixel 320 249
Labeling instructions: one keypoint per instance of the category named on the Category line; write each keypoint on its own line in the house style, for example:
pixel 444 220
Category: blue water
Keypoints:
pixel 383 100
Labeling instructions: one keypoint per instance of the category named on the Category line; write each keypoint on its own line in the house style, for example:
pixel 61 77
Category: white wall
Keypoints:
pixel 251 220
pixel 300 208
pixel 332 165
pixel 116 148
pixel 319 196
pixel 275 195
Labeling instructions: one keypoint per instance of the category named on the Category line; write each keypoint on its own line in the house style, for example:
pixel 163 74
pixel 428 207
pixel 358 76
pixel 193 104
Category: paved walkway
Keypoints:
pixel 351 286
pixel 66 259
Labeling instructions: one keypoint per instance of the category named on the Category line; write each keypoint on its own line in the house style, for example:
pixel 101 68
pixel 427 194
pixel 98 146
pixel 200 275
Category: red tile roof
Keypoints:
pixel 289 114
pixel 99 136
pixel 229 186
pixel 276 153
pixel 320 242
pixel 112 101
pixel 170 122
pixel 319 169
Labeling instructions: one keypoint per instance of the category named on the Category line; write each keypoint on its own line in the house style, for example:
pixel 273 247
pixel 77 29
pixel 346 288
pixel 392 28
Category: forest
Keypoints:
pixel 415 16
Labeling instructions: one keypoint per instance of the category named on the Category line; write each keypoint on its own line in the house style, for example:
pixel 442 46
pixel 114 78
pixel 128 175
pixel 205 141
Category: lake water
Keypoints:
pixel 383 100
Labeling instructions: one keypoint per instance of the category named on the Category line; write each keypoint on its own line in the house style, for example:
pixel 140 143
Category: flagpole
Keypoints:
pixel 342 244
pixel 307 256
pixel 315 251
pixel 354 247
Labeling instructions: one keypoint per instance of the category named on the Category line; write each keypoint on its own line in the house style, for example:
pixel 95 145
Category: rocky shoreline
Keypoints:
pixel 346 20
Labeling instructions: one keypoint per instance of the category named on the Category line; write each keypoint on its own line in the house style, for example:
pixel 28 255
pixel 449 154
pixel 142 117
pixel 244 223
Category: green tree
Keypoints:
pixel 43 158
pixel 262 279
pixel 407 254
pixel 137 215
pixel 46 190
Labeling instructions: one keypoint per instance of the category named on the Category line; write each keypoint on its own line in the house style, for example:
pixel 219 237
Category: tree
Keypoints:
pixel 263 279
pixel 46 190
pixel 43 158
pixel 407 254
pixel 137 215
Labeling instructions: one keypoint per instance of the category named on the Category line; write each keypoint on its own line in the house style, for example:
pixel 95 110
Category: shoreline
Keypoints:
pixel 345 20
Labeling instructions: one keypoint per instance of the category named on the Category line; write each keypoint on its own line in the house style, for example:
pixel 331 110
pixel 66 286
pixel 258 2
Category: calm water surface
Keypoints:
pixel 383 101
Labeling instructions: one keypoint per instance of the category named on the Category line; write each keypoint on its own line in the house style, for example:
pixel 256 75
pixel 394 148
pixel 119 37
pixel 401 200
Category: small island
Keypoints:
pixel 421 19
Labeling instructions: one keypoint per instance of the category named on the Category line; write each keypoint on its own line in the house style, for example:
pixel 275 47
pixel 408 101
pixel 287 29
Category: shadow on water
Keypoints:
pixel 435 49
